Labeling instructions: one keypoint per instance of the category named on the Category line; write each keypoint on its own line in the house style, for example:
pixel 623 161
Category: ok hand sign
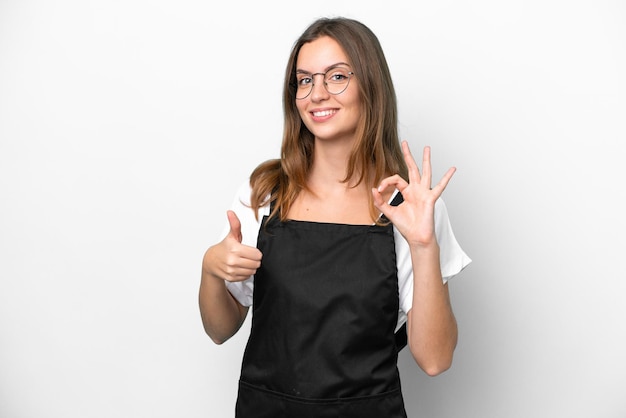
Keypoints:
pixel 414 218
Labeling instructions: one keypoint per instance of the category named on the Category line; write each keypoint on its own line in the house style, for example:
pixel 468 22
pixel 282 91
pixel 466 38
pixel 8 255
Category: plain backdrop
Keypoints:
pixel 126 125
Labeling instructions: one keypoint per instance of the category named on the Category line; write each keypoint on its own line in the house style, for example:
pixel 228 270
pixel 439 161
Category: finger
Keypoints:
pixel 380 203
pixel 235 225
pixel 251 254
pixel 241 270
pixel 238 275
pixel 395 181
pixel 414 172
pixel 426 167
pixel 443 183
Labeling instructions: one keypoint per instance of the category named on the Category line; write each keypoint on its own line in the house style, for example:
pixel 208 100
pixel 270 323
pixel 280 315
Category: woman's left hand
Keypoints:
pixel 414 218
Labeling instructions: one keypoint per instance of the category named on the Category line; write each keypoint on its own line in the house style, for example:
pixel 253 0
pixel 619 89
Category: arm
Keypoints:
pixel 229 260
pixel 431 326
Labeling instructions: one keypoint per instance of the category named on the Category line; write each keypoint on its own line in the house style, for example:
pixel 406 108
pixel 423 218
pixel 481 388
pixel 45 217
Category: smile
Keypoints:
pixel 323 113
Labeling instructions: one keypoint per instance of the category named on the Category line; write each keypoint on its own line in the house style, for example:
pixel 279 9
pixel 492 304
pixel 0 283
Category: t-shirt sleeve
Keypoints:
pixel 452 257
pixel 242 291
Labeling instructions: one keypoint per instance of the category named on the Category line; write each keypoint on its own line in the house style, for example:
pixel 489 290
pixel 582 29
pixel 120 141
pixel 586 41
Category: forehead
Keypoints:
pixel 320 54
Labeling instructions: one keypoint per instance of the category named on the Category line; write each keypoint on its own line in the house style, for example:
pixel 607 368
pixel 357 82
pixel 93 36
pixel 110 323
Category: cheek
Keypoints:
pixel 351 99
pixel 300 106
pixel 354 105
pixel 355 98
pixel 303 114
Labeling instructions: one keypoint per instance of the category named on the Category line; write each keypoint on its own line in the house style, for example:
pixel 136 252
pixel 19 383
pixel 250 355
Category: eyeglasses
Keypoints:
pixel 336 81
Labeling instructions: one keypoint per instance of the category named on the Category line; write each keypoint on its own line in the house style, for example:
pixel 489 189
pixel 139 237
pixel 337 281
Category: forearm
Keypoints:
pixel 431 326
pixel 221 314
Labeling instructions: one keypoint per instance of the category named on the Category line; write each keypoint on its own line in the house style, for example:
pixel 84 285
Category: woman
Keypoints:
pixel 336 245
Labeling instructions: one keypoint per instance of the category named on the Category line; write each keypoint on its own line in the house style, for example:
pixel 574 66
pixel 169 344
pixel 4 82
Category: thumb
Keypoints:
pixel 235 225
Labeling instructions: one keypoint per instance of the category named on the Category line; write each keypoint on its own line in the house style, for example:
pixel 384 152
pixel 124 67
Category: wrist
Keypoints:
pixel 424 249
pixel 421 243
pixel 208 271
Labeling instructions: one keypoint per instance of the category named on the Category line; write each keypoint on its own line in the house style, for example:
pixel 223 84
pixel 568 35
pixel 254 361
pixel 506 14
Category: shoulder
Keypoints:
pixel 243 197
pixel 242 193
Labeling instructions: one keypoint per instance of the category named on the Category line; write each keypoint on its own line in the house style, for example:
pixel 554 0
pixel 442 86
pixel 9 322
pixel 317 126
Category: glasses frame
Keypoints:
pixel 350 75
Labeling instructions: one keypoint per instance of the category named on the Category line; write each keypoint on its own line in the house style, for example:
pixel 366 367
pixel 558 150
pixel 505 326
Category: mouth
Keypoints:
pixel 323 113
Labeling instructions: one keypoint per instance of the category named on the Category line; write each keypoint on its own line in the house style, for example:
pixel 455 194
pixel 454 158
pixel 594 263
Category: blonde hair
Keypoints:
pixel 377 151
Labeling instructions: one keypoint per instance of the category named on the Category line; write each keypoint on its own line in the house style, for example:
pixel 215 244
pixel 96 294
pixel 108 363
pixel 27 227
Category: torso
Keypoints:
pixel 322 342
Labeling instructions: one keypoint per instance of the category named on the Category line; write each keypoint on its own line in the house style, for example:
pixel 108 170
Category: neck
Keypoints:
pixel 330 163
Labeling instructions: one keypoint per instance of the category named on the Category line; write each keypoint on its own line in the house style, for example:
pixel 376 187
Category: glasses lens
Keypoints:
pixel 337 80
pixel 304 84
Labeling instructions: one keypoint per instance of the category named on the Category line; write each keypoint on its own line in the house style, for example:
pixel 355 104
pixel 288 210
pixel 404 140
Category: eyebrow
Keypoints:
pixel 338 64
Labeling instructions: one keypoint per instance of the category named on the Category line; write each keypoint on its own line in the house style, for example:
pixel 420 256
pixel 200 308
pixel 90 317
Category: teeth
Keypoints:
pixel 324 113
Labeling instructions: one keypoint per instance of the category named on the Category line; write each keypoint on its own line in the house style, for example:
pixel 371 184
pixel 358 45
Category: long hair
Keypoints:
pixel 376 153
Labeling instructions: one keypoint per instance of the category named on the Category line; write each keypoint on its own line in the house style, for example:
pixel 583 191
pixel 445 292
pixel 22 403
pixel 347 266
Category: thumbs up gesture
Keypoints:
pixel 231 260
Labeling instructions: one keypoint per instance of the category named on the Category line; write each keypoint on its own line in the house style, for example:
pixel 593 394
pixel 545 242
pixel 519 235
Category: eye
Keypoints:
pixel 337 75
pixel 303 80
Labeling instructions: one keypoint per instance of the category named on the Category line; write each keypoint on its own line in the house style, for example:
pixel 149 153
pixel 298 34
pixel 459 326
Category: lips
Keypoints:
pixel 323 113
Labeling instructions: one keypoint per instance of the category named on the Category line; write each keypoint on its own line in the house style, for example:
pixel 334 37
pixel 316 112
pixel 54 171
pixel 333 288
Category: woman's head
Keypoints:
pixel 376 132
pixel 376 151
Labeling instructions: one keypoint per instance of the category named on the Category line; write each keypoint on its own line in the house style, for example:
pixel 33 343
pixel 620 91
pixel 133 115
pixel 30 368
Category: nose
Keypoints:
pixel 318 91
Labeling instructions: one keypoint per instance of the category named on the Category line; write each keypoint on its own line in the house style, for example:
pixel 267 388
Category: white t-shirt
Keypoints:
pixel 452 257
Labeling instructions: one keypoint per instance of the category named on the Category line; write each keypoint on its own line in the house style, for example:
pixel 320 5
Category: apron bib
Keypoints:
pixel 325 307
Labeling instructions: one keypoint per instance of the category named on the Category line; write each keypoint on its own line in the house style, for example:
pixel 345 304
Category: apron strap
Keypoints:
pixel 401 334
pixel 402 338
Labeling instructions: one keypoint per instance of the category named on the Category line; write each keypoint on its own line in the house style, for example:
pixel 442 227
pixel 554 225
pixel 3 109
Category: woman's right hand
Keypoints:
pixel 231 260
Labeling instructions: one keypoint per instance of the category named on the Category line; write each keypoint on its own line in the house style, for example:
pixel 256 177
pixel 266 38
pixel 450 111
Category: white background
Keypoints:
pixel 125 126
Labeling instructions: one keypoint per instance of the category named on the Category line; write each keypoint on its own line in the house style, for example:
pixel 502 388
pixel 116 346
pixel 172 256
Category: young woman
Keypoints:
pixel 336 245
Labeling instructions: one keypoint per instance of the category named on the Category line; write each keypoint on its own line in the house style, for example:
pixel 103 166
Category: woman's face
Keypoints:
pixel 329 117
